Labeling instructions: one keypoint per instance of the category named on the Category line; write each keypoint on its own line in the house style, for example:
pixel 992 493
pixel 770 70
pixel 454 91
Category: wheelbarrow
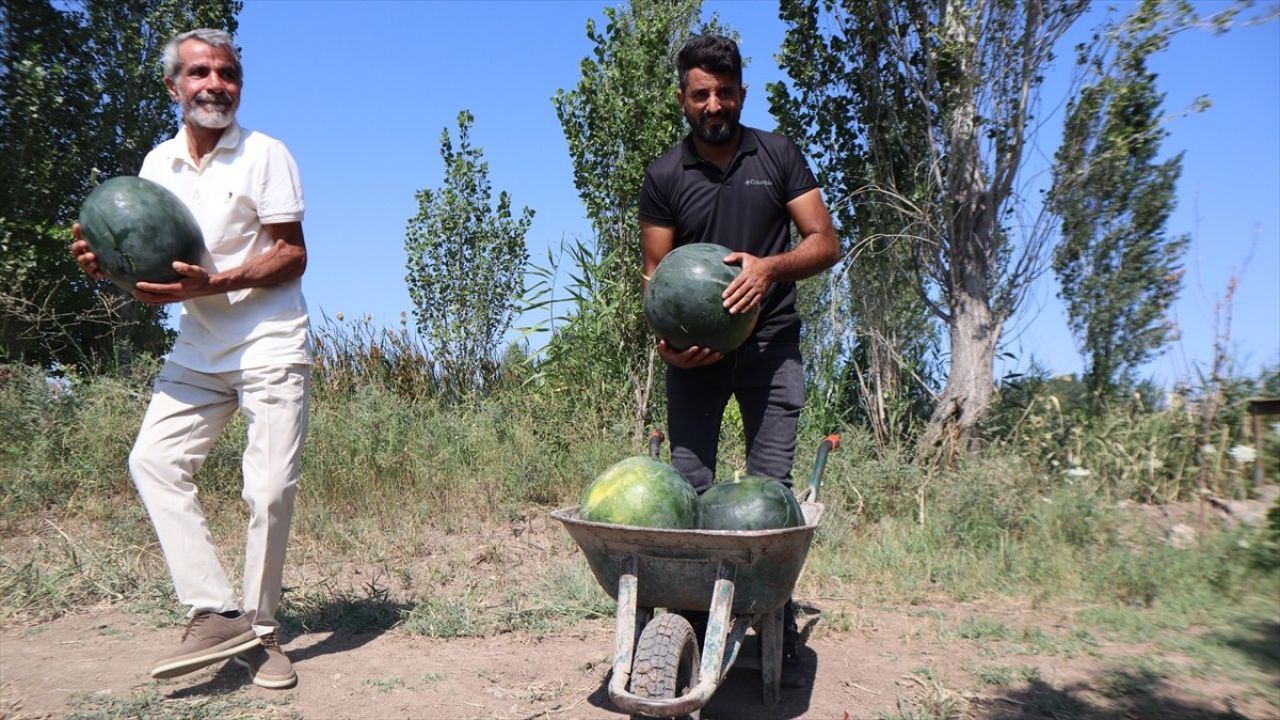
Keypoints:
pixel 742 578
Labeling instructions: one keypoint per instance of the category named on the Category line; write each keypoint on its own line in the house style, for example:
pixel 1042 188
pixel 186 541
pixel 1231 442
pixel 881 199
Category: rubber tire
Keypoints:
pixel 667 660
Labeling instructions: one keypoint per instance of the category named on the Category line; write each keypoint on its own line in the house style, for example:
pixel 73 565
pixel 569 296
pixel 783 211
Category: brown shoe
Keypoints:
pixel 268 665
pixel 209 637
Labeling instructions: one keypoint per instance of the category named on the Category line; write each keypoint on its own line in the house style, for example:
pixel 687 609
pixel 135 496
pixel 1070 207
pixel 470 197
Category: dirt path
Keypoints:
pixel 891 663
pixel 976 661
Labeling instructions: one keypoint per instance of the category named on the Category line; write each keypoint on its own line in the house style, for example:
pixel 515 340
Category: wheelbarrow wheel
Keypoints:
pixel 666 661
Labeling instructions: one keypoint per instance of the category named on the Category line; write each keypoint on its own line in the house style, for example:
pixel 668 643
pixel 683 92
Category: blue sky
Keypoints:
pixel 360 91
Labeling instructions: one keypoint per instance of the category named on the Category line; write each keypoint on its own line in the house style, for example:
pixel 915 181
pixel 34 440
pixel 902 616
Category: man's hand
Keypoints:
pixel 747 290
pixel 194 283
pixel 85 258
pixel 691 357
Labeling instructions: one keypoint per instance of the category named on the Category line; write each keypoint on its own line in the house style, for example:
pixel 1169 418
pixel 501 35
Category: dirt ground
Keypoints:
pixel 862 663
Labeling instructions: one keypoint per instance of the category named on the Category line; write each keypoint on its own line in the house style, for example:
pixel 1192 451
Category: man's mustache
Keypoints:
pixel 207 96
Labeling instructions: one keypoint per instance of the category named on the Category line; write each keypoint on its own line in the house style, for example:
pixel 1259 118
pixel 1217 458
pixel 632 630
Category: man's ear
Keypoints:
pixel 172 88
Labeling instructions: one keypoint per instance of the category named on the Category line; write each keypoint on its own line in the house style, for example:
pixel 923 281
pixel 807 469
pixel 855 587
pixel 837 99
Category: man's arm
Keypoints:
pixel 656 241
pixel 817 250
pixel 286 260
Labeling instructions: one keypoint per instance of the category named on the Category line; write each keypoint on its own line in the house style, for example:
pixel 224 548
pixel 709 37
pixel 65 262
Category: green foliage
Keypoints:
pixel 81 100
pixel 1147 449
pixel 917 115
pixel 466 264
pixel 1118 271
pixel 869 333
pixel 621 116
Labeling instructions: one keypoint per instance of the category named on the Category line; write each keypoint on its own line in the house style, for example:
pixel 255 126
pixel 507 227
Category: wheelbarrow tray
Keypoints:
pixel 678 569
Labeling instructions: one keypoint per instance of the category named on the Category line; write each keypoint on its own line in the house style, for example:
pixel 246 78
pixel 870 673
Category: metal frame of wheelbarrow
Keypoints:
pixel 749 576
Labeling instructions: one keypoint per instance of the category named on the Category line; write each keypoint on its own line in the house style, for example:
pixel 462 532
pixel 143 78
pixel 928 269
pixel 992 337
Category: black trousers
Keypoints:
pixel 768 381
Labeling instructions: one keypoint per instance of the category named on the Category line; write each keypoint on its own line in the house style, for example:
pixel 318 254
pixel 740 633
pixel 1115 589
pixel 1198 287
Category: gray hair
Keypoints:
pixel 210 36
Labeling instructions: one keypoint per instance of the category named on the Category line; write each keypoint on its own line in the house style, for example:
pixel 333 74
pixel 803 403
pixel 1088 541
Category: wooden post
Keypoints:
pixel 1258 408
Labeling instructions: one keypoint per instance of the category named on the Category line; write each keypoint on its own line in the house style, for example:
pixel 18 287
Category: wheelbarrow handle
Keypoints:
pixel 655 441
pixel 829 443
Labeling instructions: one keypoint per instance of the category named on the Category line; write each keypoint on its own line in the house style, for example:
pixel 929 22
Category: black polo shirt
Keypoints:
pixel 743 209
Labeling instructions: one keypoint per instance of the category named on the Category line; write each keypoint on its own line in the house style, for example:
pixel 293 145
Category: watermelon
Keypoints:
pixel 749 503
pixel 643 492
pixel 137 228
pixel 683 303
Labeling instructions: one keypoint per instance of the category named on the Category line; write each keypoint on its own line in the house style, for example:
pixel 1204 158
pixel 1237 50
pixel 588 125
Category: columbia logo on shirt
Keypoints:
pixel 753 181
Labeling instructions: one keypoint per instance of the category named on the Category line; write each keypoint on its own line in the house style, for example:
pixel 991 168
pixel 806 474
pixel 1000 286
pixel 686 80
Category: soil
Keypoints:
pixel 860 663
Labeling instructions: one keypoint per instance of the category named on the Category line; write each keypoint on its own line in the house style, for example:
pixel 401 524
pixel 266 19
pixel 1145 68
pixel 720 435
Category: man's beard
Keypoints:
pixel 209 110
pixel 719 135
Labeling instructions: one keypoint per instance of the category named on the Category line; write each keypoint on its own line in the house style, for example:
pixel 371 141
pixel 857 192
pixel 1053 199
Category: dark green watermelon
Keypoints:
pixel 643 492
pixel 749 503
pixel 683 303
pixel 137 228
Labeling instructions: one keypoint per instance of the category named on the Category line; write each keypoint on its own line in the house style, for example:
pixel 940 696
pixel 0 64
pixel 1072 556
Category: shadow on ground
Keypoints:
pixel 350 622
pixel 1130 695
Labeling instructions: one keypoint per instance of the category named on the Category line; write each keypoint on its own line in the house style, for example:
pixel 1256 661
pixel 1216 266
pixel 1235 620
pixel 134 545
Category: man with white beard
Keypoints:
pixel 243 343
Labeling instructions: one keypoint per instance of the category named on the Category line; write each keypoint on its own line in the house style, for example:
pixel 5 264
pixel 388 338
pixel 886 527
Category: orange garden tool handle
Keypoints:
pixel 829 443
pixel 655 441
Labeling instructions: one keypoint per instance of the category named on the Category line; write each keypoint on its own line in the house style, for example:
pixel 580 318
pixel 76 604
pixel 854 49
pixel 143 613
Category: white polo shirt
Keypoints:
pixel 248 180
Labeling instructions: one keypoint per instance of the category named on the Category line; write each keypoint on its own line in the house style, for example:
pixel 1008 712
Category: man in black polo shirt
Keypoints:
pixel 741 188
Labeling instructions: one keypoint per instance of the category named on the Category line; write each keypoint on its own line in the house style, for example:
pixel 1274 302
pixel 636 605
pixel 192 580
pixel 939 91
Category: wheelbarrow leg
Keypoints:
pixel 628 627
pixel 771 657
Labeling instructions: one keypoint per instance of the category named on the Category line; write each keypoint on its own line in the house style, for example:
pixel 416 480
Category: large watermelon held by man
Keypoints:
pixel 643 492
pixel 749 502
pixel 137 229
pixel 683 302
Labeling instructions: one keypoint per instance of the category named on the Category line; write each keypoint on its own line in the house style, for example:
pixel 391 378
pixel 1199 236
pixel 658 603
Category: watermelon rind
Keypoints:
pixel 642 492
pixel 137 228
pixel 683 302
pixel 750 502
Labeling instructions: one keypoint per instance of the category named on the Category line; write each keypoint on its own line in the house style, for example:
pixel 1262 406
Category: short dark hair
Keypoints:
pixel 709 53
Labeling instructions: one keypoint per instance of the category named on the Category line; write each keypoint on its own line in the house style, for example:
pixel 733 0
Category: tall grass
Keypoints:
pixel 1044 513
pixel 1146 448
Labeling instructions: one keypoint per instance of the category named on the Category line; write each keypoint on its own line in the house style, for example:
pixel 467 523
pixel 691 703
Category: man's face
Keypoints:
pixel 207 85
pixel 712 103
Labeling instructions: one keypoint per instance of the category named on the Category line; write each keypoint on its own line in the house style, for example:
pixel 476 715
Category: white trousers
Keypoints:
pixel 188 411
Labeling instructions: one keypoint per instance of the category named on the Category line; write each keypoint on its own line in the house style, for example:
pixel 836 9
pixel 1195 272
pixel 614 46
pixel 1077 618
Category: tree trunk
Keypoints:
pixel 970 387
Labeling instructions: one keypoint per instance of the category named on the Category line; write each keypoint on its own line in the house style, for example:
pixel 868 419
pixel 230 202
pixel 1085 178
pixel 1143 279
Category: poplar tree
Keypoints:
pixel 874 345
pixel 1118 269
pixel 932 104
pixel 621 116
pixel 466 259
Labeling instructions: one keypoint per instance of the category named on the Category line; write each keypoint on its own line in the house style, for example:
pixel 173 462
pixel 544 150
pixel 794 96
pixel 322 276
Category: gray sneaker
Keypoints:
pixel 268 665
pixel 209 637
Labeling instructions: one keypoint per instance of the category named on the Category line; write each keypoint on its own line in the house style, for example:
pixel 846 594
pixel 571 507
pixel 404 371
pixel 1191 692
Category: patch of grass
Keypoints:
pixel 1077 641
pixel 432 678
pixel 1130 625
pixel 446 617
pixel 1138 678
pixel 930 701
pixel 543 692
pixel 1003 675
pixel 149 704
pixel 1248 650
pixel 62 572
pixel 565 594
pixel 837 622
pixel 981 628
pixel 328 608
pixel 386 685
